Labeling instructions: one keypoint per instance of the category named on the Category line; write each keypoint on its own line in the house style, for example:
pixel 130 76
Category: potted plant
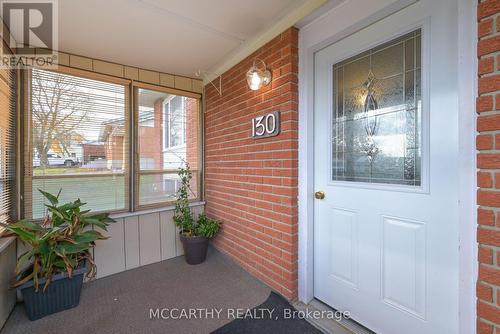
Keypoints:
pixel 50 273
pixel 194 235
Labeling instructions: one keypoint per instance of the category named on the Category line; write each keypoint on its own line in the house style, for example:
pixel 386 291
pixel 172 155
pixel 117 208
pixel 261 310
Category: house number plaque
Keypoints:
pixel 266 125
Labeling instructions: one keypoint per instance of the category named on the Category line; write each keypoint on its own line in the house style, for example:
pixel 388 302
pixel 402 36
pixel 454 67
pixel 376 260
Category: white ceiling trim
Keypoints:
pixel 254 43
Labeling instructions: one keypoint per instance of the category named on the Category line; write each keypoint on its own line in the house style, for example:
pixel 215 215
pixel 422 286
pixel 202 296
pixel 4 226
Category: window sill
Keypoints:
pixel 146 211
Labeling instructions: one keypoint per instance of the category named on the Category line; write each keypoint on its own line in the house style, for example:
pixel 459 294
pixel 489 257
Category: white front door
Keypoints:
pixel 386 127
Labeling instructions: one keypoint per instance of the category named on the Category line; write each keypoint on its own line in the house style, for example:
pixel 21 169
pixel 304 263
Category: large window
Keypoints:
pixel 7 144
pixel 167 132
pixel 78 142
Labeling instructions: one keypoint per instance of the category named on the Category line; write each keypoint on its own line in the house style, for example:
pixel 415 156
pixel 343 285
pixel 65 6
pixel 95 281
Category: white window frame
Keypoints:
pixel 166 120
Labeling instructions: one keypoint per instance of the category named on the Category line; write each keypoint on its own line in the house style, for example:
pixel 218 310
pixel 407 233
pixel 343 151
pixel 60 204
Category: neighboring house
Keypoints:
pixel 93 151
pixel 165 123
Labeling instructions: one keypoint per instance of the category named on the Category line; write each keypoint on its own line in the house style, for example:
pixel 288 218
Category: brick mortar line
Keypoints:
pixel 221 103
pixel 266 251
pixel 207 161
pixel 261 192
pixel 267 243
pixel 259 200
pixel 247 265
pixel 489 228
pixel 489 112
pixel 263 257
pixel 256 143
pixel 261 209
pixel 253 183
pixel 281 187
pixel 273 221
pixel 247 122
pixel 241 174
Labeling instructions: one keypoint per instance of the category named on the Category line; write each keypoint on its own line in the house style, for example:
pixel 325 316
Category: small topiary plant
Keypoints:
pixel 183 216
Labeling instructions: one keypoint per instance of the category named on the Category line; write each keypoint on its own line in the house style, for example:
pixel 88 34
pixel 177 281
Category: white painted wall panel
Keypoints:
pixel 149 238
pixel 168 235
pixel 131 227
pixel 111 248
pixel 7 267
pixel 178 245
pixel 134 241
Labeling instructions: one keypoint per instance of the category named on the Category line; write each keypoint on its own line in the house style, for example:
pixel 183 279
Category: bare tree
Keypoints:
pixel 58 108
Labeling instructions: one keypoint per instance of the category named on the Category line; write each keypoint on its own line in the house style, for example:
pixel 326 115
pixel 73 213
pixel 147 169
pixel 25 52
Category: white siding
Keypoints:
pixel 139 240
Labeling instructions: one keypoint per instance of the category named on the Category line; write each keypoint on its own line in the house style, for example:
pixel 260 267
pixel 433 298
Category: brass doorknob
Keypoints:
pixel 319 194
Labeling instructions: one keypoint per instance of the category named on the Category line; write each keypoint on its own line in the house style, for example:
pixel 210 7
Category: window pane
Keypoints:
pixel 167 130
pixel 177 121
pixel 101 193
pixel 79 126
pixel 376 130
pixel 160 188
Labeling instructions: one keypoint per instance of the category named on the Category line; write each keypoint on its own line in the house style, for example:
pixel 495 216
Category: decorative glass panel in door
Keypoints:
pixel 377 109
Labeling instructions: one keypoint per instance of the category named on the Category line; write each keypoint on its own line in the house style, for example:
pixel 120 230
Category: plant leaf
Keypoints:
pixel 88 236
pixel 23 258
pixel 52 199
pixel 24 235
pixel 26 224
pixel 69 248
pixel 95 222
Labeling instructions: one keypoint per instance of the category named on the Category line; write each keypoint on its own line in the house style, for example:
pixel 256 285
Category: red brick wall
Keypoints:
pixel 252 184
pixel 93 150
pixel 488 161
pixel 151 138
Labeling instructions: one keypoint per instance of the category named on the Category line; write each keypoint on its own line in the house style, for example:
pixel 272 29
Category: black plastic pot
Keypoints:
pixel 195 249
pixel 62 293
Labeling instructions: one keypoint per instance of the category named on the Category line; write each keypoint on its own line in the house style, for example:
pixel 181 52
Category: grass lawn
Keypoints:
pixel 64 170
pixel 101 193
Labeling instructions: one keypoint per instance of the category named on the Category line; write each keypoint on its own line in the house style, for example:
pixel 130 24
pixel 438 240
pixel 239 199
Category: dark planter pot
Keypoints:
pixel 62 293
pixel 195 249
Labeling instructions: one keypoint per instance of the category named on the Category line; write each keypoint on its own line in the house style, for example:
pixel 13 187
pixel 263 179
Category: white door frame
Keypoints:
pixel 339 22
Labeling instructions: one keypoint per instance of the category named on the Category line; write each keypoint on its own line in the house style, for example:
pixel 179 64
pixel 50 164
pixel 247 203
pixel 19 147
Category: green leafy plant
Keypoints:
pixel 207 227
pixel 183 217
pixel 61 243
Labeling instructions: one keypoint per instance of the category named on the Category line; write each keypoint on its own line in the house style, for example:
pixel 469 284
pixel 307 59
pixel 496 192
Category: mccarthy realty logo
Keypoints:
pixel 29 32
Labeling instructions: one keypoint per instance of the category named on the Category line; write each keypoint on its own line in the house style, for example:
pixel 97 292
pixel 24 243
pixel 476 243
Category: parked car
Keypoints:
pixel 56 160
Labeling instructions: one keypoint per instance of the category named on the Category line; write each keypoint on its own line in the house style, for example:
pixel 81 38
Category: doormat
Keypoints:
pixel 275 319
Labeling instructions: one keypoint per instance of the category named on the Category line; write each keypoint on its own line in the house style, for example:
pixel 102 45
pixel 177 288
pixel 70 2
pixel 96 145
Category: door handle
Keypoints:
pixel 319 194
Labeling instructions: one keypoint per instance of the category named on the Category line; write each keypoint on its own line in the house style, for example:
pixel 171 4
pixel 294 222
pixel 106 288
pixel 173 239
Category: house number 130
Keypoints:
pixel 266 125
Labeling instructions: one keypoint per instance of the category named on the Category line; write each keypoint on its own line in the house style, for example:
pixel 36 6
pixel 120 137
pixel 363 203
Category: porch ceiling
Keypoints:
pixel 174 36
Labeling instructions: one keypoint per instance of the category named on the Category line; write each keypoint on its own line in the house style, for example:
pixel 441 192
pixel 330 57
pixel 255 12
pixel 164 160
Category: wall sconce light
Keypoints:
pixel 258 77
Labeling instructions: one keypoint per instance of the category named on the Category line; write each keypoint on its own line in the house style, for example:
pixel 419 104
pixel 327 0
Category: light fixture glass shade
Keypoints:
pixel 256 78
